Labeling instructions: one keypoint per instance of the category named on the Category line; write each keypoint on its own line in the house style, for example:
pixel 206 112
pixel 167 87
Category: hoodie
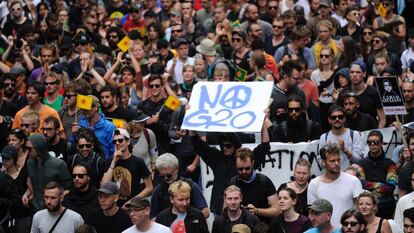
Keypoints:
pixel 44 169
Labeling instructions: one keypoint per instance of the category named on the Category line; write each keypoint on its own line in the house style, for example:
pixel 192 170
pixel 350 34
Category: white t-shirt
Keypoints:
pixel 339 193
pixel 178 69
pixel 155 228
pixel 406 58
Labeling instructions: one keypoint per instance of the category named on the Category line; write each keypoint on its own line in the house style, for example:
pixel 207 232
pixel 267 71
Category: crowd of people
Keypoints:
pixel 123 164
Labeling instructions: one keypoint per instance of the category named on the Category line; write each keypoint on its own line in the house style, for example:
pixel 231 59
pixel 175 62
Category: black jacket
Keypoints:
pixel 194 221
pixel 222 223
pixel 83 203
pixel 224 167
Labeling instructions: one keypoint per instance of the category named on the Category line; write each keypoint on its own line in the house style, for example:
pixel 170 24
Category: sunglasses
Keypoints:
pixel 83 43
pixel 112 36
pixel 368 33
pixel 47 129
pixel 272 7
pixel 291 110
pixel 9 85
pixel 277 27
pixel 236 39
pixel 338 117
pixel 120 140
pixel 178 30
pixel 85 146
pixel 152 86
pixel 81 176
pixel 68 96
pixel 372 143
pixel 347 223
pixel 244 168
pixel 376 41
pixel 50 83
pixel 227 145
pixel 324 56
pixel 25 125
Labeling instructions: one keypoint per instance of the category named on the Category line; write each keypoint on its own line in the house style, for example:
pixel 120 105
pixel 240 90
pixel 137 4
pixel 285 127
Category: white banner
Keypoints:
pixel 282 158
pixel 227 106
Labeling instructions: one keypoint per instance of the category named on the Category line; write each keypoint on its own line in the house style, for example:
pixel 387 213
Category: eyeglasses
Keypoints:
pixel 152 86
pixel 324 55
pixel 50 83
pixel 236 39
pixel 347 223
pixel 337 117
pixel 134 210
pixel 291 110
pixel 373 142
pixel 85 146
pixel 376 41
pixel 119 140
pixel 68 96
pixel 47 129
pixel 244 168
pixel 81 176
pixel 277 27
pixel 83 43
pixel 227 145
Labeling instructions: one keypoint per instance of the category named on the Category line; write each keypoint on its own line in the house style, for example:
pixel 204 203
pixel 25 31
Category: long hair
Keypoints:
pixel 350 53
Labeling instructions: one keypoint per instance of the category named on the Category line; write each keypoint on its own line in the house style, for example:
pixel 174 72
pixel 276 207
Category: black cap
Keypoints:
pixel 81 37
pixel 180 41
pixel 162 44
pixel 58 68
pixel 150 14
pixel 134 35
pixel 139 117
pixel 103 49
pixel 9 152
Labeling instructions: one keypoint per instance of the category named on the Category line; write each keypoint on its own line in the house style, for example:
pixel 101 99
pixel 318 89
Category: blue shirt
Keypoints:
pixel 316 230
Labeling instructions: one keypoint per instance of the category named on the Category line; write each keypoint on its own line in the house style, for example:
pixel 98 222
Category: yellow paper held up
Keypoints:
pixel 119 123
pixel 172 103
pixel 84 102
pixel 124 44
pixel 382 11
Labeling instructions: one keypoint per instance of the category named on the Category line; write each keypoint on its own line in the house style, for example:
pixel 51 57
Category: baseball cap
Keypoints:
pixel 138 202
pixel 81 37
pixel 180 41
pixel 174 12
pixel 123 132
pixel 139 117
pixel 326 3
pixel 17 69
pixel 109 188
pixel 321 205
pixel 9 152
pixel 240 228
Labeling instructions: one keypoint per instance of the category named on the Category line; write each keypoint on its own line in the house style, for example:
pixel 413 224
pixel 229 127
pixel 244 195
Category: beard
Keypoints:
pixel 8 92
pixel 53 209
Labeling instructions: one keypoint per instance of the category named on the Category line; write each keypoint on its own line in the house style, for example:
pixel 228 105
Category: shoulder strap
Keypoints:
pixel 58 220
pixel 73 161
pixel 326 136
pixel 352 135
pixel 147 137
pixel 285 50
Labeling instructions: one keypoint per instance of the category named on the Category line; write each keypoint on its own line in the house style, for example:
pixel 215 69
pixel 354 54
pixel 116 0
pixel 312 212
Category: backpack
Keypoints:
pixel 92 160
pixel 147 137
pixel 286 51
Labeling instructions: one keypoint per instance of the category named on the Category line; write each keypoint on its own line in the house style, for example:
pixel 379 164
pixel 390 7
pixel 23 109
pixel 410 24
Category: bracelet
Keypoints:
pixel 257 211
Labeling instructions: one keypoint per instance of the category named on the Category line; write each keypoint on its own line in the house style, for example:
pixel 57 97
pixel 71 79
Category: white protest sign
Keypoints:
pixel 227 106
pixel 281 160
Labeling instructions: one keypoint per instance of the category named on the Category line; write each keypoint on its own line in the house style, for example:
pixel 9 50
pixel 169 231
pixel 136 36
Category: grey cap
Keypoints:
pixel 138 202
pixel 18 70
pixel 109 188
pixel 326 3
pixel 321 205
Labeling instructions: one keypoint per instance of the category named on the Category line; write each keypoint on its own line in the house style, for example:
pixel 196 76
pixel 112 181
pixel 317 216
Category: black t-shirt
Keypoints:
pixel 256 192
pixel 119 113
pixel 362 122
pixel 404 179
pixel 114 224
pixel 302 199
pixel 8 109
pixel 59 150
pixel 128 174
pixel 369 101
